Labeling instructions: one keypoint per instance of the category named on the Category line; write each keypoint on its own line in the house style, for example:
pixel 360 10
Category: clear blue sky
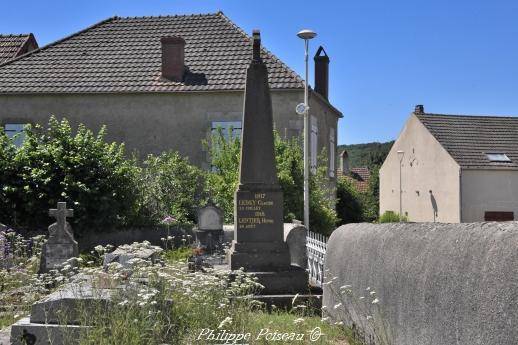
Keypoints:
pixel 453 56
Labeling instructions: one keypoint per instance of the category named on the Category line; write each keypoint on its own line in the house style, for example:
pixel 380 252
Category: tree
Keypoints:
pixel 222 181
pixel 349 205
pixel 172 187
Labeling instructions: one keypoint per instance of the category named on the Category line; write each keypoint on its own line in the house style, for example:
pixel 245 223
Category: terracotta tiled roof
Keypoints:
pixel 358 176
pixel 468 139
pixel 124 55
pixel 12 46
pixel 362 172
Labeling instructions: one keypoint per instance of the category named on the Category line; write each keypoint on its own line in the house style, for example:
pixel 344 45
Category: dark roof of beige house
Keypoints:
pixel 473 141
pixel 12 46
pixel 124 55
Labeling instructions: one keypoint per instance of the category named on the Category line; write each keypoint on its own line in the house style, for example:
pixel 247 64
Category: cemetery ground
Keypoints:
pixel 161 303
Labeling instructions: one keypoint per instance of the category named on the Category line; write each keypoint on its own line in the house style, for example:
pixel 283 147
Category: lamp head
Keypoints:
pixel 306 34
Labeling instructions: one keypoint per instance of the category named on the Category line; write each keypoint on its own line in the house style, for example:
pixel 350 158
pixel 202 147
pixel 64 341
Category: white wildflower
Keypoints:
pixel 376 301
pixel 227 321
pixel 337 305
pixel 299 320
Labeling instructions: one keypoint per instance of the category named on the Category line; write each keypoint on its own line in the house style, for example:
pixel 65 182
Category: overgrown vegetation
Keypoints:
pixel 54 164
pixel 143 311
pixel 107 189
pixel 222 180
pixel 355 206
pixel 171 185
pixel 392 217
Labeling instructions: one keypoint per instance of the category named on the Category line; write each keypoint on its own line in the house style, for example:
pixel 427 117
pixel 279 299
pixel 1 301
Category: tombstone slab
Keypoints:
pixel 258 245
pixel 209 232
pixel 61 245
pixel 125 253
pixel 59 318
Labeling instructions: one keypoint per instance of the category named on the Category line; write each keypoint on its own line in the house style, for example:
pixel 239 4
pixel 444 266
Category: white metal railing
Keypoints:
pixel 316 250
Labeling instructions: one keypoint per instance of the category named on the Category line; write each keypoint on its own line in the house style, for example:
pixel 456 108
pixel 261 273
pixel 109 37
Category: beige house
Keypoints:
pixel 452 168
pixel 159 83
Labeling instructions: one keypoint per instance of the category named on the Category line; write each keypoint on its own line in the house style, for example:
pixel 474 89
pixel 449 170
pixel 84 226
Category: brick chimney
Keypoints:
pixel 419 109
pixel 173 66
pixel 322 72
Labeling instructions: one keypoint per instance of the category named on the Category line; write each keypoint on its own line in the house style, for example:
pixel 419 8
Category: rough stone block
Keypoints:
pixel 24 332
pixel 433 283
pixel 70 305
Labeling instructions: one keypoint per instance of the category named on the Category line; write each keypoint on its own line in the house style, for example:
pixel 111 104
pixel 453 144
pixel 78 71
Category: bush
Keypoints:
pixel 349 206
pixel 95 178
pixel 171 186
pixel 355 206
pixel 222 181
pixel 391 217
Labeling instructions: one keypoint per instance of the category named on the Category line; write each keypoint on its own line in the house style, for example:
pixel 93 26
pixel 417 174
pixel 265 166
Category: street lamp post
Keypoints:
pixel 400 154
pixel 306 35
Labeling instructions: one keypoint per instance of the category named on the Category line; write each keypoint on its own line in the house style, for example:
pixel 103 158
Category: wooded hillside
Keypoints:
pixel 369 154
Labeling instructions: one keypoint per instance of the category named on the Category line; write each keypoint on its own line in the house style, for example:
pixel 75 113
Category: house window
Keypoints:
pixel 332 149
pixel 314 144
pixel 15 132
pixel 498 157
pixel 230 129
pixel 496 216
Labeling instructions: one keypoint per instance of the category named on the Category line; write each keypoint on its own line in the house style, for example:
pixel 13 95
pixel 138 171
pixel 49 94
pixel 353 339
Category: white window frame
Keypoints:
pixel 332 152
pixel 313 144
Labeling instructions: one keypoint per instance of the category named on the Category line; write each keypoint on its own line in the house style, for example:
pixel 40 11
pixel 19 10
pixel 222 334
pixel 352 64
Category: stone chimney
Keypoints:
pixel 419 109
pixel 322 72
pixel 344 162
pixel 173 66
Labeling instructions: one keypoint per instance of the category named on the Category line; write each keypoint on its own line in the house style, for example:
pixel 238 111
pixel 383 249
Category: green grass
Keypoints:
pixel 178 254
pixel 6 320
pixel 284 322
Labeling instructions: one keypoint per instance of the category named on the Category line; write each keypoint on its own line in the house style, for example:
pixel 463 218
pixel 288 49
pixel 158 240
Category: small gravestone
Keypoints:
pixel 61 245
pixel 209 232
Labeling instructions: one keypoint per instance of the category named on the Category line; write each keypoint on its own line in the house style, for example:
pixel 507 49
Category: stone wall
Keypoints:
pixel 153 123
pixel 434 283
pixel 118 237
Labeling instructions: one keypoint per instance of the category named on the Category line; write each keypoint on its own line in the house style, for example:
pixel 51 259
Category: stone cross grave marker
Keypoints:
pixel 61 244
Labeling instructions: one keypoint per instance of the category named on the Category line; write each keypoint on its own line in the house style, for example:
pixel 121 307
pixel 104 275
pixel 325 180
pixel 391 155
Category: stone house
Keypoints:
pixel 12 46
pixel 453 168
pixel 160 83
